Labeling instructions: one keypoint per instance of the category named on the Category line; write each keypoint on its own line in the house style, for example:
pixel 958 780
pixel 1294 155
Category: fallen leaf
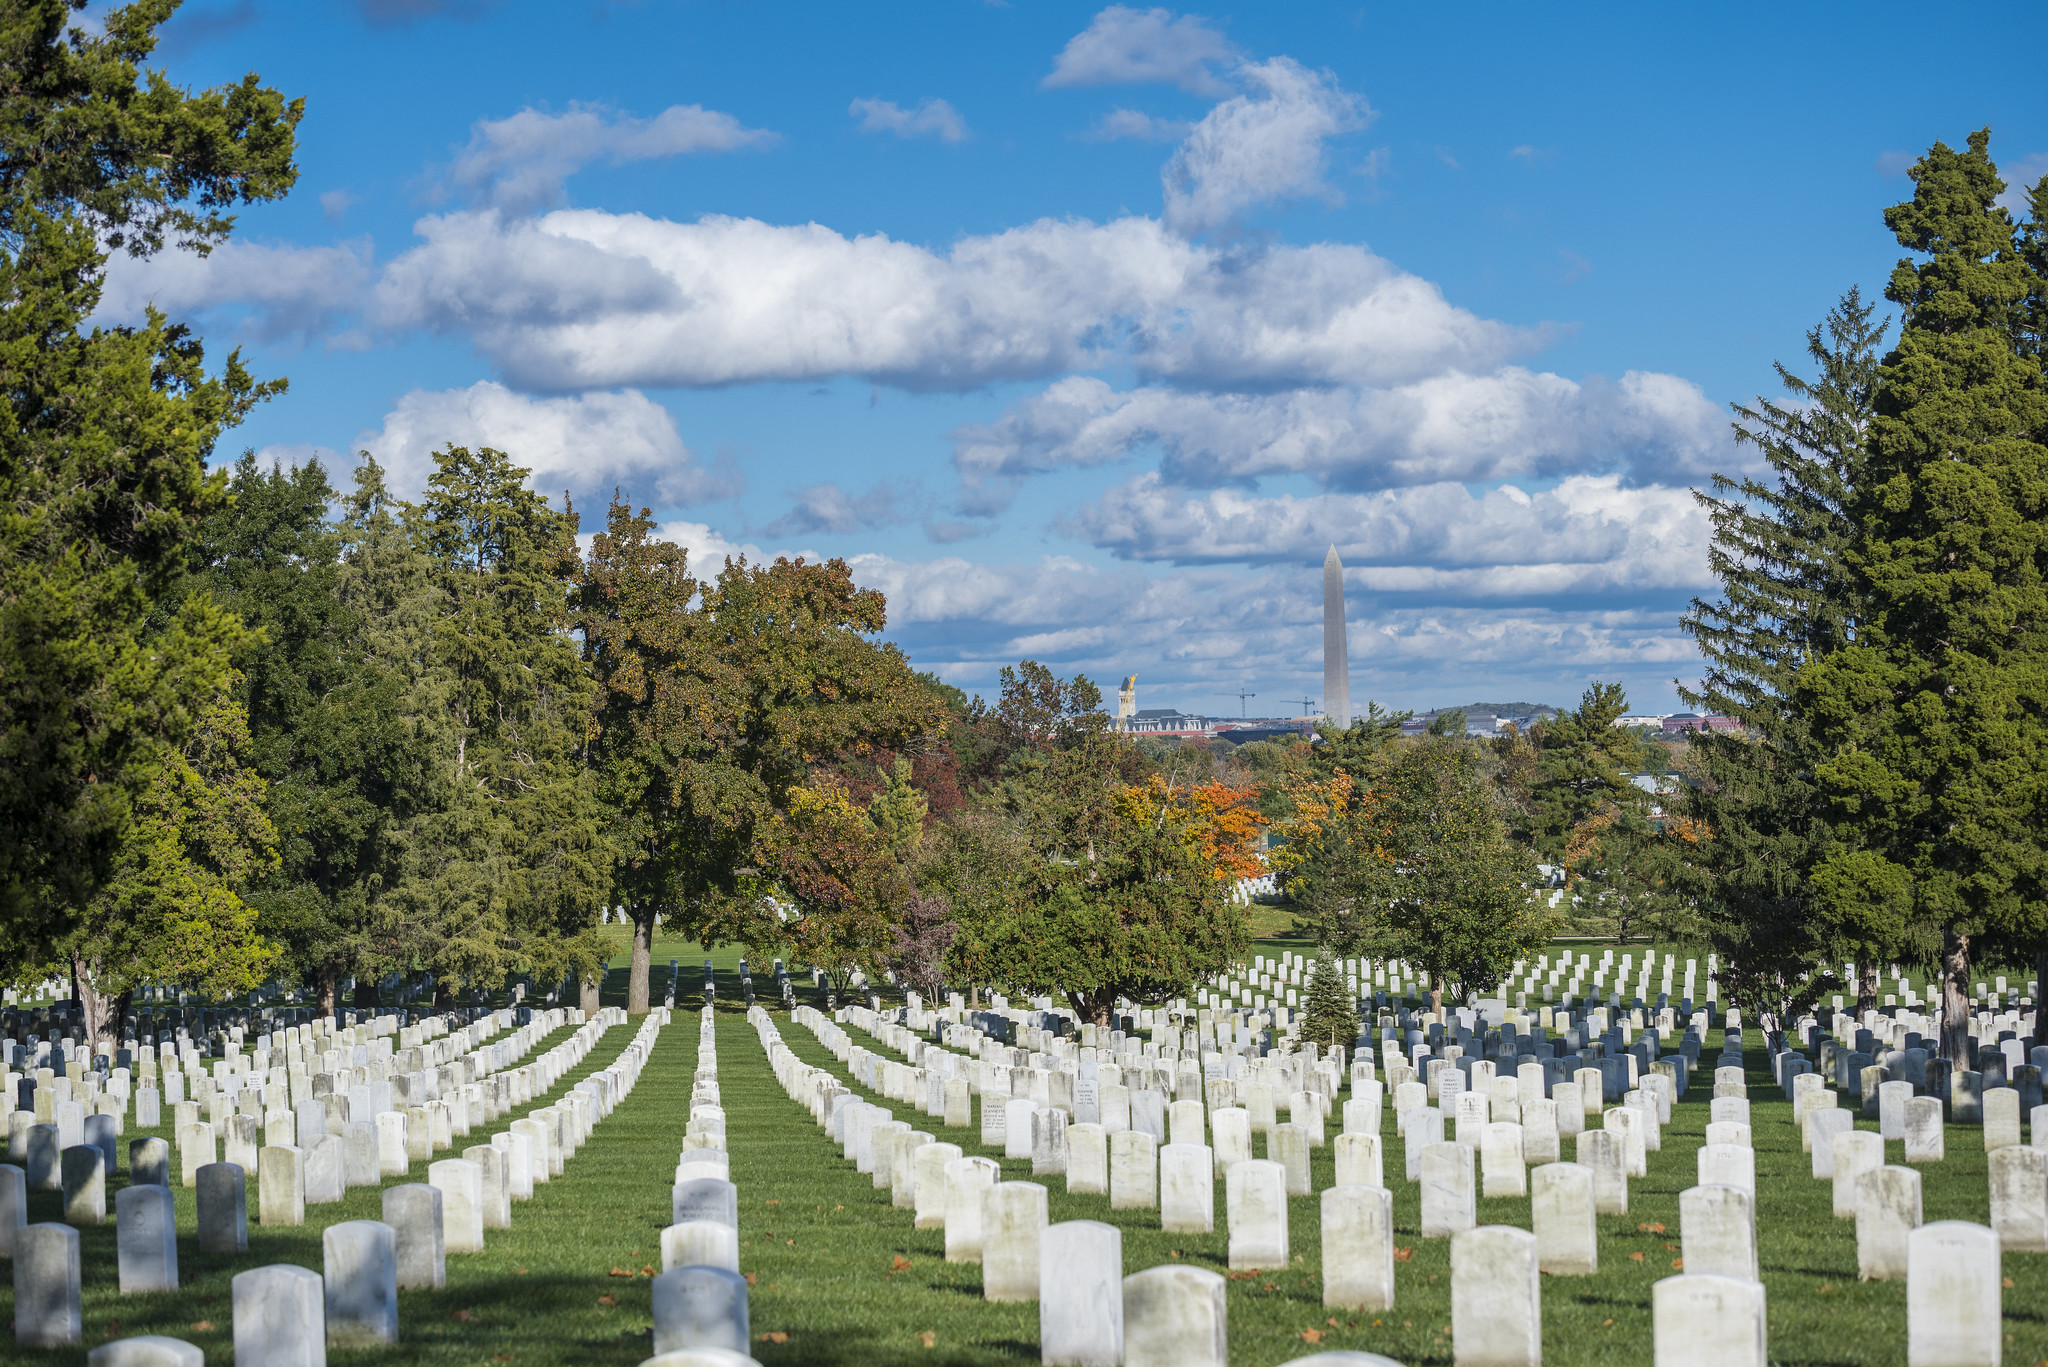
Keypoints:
pixel 839 1207
pixel 2008 1286
pixel 900 1263
pixel 1606 1324
pixel 1678 1264
pixel 929 1338
pixel 202 1326
pixel 1332 1322
pixel 463 1316
pixel 647 1271
pixel 1649 1229
pixel 607 1299
pixel 1311 1336
pixel 1402 1255
pixel 620 1272
pixel 750 1279
pixel 771 1203
pixel 517 1272
pixel 790 1242
pixel 1635 1257
pixel 775 1336
pixel 1173 1253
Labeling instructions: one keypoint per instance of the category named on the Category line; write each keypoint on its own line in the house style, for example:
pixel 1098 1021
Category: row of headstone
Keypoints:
pixel 700 1298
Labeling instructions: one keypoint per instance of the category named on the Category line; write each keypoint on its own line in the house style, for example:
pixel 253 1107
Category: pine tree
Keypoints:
pixel 1751 828
pixel 1329 1016
pixel 1934 718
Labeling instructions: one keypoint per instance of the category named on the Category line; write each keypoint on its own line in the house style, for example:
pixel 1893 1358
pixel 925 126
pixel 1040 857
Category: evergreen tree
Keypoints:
pixel 104 437
pixel 1933 719
pixel 1329 1016
pixel 1752 828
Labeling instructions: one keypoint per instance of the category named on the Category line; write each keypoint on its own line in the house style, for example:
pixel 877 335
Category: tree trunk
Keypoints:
pixel 444 995
pixel 326 986
pixel 1955 1000
pixel 117 1019
pixel 591 983
pixel 1098 1007
pixel 367 996
pixel 92 1004
pixel 1436 997
pixel 1866 988
pixel 643 959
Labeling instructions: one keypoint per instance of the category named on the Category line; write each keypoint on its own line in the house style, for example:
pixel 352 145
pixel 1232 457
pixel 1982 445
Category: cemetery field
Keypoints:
pixel 848 1280
pixel 540 1295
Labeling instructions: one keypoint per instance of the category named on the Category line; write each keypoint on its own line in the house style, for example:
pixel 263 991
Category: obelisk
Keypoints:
pixel 1336 658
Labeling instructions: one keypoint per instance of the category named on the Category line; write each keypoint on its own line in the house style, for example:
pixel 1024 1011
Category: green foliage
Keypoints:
pixel 1751 828
pixel 1934 718
pixel 1329 1015
pixel 1582 763
pixel 104 437
pixel 1360 748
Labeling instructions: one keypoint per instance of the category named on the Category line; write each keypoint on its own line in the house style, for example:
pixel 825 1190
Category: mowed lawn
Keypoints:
pixel 841 1277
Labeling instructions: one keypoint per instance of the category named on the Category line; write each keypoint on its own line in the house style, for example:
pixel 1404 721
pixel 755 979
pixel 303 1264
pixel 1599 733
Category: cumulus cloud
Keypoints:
pixel 710 548
pixel 829 508
pixel 1119 124
pixel 1125 46
pixel 1260 148
pixel 286 291
pixel 932 118
pixel 583 443
pixel 582 299
pixel 1587 534
pixel 1505 424
pixel 2021 176
pixel 520 163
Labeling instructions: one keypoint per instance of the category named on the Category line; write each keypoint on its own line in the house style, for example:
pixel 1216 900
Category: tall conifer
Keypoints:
pixel 1933 719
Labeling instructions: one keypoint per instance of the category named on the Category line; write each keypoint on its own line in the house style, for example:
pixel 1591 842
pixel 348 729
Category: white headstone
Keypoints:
pixel 1954 1301
pixel 1081 1295
pixel 1358 1247
pixel 1255 1197
pixel 1496 1298
pixel 1717 1231
pixel 1708 1320
pixel 1563 1220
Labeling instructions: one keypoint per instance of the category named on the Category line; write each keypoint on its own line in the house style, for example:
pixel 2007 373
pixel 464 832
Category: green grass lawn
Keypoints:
pixel 841 1277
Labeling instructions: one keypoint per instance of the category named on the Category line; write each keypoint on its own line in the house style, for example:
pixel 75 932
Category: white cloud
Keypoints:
pixel 582 443
pixel 1588 534
pixel 709 548
pixel 289 291
pixel 1132 124
pixel 1124 46
pixel 582 299
pixel 829 508
pixel 1506 424
pixel 1252 150
pixel 519 163
pixel 932 118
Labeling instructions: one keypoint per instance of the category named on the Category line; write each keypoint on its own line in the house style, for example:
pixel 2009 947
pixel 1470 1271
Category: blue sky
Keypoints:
pixel 1082 332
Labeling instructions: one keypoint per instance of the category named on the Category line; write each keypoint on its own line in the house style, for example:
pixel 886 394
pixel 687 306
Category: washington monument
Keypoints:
pixel 1336 657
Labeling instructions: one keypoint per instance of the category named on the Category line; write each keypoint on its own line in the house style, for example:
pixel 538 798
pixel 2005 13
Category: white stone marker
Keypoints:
pixel 1707 1320
pixel 1174 1317
pixel 1953 1297
pixel 461 1184
pixel 1081 1297
pixel 1502 1169
pixel 967 1183
pixel 1496 1298
pixel 361 1284
pixel 1287 1145
pixel 700 1243
pixel 1887 1212
pixel 1133 1171
pixel 1358 1248
pixel 1541 1140
pixel 1358 1160
pixel 1017 1126
pixel 1571 1108
pixel 1717 1231
pixel 48 1311
pixel 1255 1202
pixel 1856 1152
pixel 223 1209
pixel 1726 1165
pixel 146 1239
pixel 928 1180
pixel 1184 1123
pixel 413 1211
pixel 701 1308
pixel 1362 1114
pixel 1187 1189
pixel 1231 1130
pixel 1735 1108
pixel 1087 1160
pixel 1562 1218
pixel 84 1176
pixel 704 1198
pixel 1822 1129
pixel 280 1317
pixel 1425 1128
pixel 281 1185
pixel 146 1350
pixel 1891 1109
pixel 2001 1118
pixel 1448 1200
pixel 195 1150
pixel 1926 1135
pixel 1013 1217
pixel 2019 1198
pixel 1601 1151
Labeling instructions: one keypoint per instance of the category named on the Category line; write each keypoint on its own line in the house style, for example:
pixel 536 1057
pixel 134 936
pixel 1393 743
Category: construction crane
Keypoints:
pixel 1308 705
pixel 1241 695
